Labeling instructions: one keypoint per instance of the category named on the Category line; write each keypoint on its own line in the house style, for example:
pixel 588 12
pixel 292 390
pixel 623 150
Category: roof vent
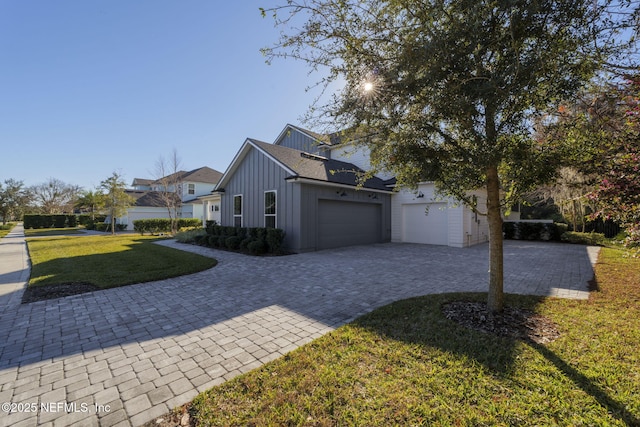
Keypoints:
pixel 313 156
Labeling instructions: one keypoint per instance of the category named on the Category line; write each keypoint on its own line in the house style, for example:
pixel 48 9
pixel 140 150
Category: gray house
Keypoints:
pixel 295 185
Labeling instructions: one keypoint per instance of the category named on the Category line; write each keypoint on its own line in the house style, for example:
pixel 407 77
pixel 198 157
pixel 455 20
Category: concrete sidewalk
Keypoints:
pixel 123 356
pixel 14 267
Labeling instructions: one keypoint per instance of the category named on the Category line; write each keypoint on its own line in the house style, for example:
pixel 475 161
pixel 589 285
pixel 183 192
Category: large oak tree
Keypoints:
pixel 447 91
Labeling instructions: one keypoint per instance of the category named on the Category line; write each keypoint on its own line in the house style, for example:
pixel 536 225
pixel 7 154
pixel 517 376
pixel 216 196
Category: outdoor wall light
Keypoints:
pixel 420 195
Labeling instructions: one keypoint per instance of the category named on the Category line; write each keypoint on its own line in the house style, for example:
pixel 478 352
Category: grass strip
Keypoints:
pixel 46 232
pixel 108 261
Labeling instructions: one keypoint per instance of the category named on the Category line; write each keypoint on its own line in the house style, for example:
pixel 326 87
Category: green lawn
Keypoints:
pixel 406 364
pixel 108 261
pixel 43 232
pixel 5 229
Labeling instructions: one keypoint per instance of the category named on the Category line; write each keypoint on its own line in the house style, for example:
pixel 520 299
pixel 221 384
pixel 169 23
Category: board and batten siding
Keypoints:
pixel 299 141
pixel 256 174
pixel 311 195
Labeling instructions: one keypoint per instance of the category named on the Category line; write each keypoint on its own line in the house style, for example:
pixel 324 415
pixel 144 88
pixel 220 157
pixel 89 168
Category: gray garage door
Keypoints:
pixel 348 223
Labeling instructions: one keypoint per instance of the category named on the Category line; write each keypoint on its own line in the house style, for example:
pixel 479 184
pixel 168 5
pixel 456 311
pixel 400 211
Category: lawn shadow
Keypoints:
pixel 615 408
pixel 430 328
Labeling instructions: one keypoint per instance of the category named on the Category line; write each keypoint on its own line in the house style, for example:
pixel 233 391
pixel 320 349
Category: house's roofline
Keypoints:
pixel 312 181
pixel 202 174
pixel 248 144
pixel 147 198
pixel 319 138
pixel 142 181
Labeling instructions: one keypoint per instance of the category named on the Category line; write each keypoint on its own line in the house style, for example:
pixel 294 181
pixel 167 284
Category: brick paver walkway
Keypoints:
pixel 121 357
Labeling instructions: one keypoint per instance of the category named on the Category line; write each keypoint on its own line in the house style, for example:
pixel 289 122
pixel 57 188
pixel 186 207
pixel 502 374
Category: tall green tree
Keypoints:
pixel 13 199
pixel 447 91
pixel 116 200
pixel 92 201
pixel 602 128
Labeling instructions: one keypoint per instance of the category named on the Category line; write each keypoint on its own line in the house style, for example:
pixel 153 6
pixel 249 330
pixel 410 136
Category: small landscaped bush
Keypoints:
pixel 163 225
pixel 257 247
pixel 106 226
pixel 533 231
pixel 593 239
pixel 233 242
pixel 191 236
pixel 253 240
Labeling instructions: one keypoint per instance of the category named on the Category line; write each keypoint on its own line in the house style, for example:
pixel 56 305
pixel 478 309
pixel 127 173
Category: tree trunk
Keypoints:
pixel 495 301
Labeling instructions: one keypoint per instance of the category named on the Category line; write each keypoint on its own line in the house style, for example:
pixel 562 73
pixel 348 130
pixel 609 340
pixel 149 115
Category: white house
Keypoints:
pixel 195 193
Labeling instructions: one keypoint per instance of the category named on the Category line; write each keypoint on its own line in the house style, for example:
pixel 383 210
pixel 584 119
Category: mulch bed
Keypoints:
pixel 513 322
pixel 41 293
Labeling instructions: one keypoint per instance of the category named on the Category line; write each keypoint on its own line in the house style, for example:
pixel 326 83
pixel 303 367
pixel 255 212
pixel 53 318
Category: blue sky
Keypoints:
pixel 92 87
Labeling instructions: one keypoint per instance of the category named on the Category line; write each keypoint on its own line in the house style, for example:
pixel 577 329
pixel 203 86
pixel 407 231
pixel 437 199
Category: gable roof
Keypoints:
pixel 142 181
pixel 204 174
pixel 146 198
pixel 320 138
pixel 304 165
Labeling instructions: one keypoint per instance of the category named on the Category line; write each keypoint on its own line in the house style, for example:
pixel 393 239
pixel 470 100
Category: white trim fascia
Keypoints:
pixel 335 184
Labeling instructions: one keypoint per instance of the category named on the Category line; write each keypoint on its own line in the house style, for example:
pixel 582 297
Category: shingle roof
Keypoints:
pixel 203 174
pixel 309 166
pixel 142 181
pixel 151 199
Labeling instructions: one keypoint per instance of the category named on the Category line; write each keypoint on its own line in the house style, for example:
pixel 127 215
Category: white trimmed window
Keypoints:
pixel 191 188
pixel 237 210
pixel 270 209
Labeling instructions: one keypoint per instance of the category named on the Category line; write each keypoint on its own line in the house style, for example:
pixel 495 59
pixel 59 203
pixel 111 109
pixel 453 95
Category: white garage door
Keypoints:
pixel 420 227
pixel 348 223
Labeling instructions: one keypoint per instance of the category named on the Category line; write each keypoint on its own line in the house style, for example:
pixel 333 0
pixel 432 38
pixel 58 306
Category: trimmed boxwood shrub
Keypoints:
pixel 163 225
pixel 533 231
pixel 106 226
pixel 253 240
pixel 49 221
pixel 274 239
pixel 592 239
pixel 233 242
pixel 257 247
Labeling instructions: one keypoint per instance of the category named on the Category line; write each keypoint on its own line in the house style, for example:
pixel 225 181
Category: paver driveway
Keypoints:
pixel 124 356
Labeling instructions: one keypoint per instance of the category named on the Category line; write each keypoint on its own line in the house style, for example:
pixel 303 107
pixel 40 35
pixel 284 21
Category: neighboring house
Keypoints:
pixel 195 193
pixel 307 184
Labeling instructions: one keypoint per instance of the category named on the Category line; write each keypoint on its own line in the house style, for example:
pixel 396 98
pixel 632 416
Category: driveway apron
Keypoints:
pixel 121 357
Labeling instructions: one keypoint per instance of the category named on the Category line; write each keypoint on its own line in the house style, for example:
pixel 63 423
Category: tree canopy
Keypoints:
pixel 601 129
pixel 448 91
pixel 13 199
pixel 116 200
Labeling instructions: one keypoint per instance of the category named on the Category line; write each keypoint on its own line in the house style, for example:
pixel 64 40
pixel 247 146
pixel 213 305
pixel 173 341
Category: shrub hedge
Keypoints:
pixel 592 239
pixel 106 226
pixel 50 221
pixel 534 231
pixel 163 225
pixel 251 240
